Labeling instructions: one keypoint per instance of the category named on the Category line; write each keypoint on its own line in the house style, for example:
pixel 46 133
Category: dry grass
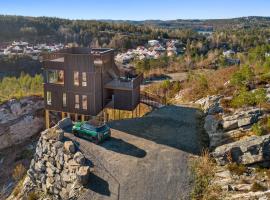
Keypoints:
pixel 203 171
pixel 207 83
pixel 236 169
pixel 16 191
pixel 18 172
pixel 33 196
pixel 257 187
pixel 141 110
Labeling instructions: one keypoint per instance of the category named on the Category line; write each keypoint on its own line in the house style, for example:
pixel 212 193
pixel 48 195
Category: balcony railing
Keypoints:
pixel 125 83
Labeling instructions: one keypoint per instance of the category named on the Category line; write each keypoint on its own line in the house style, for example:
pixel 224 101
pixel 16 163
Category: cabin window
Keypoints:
pixel 55 76
pixel 84 102
pixel 49 98
pixel 77 101
pixel 64 99
pixel 76 78
pixel 84 80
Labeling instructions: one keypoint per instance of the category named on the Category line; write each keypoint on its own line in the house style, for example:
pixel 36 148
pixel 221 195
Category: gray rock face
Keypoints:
pixel 251 150
pixel 223 128
pixel 241 118
pixel 18 120
pixel 211 104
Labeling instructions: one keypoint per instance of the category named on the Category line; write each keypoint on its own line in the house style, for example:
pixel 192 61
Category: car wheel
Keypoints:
pixel 75 133
pixel 96 140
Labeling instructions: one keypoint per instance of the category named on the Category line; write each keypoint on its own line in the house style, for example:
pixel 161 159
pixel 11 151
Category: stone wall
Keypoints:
pixel 59 170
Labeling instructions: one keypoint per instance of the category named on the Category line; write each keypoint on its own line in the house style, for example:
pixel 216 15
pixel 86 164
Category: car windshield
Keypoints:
pixel 93 128
pixel 101 128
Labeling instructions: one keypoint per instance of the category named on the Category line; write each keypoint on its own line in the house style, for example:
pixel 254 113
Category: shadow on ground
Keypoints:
pixel 174 126
pixel 120 146
pixel 98 185
pixel 116 145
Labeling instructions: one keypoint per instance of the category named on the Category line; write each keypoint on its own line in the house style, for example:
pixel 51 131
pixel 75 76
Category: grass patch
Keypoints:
pixel 18 172
pixel 256 187
pixel 33 196
pixel 203 171
pixel 237 169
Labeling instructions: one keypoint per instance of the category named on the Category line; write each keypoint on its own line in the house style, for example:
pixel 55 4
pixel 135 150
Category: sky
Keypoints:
pixel 136 9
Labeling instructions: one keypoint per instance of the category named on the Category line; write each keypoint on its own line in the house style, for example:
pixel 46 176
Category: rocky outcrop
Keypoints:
pixel 20 120
pixel 210 104
pixel 254 149
pixel 224 128
pixel 59 169
pixel 240 118
pixel 241 186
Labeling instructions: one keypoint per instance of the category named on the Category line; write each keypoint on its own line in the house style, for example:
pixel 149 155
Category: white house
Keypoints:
pixel 153 42
pixel 228 53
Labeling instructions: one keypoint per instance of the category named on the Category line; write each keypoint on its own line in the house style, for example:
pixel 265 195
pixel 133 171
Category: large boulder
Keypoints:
pixel 83 175
pixel 79 158
pixel 211 104
pixel 251 150
pixel 69 147
pixel 64 123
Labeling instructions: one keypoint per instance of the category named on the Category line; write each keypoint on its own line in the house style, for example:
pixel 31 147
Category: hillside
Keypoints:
pixel 102 32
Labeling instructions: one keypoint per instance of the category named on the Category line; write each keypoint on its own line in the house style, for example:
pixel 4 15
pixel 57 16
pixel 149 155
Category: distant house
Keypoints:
pixel 267 54
pixel 228 53
pixel 153 42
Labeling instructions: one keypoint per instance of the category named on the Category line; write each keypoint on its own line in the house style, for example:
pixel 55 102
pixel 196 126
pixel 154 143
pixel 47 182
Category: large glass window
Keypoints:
pixel 49 98
pixel 76 78
pixel 64 99
pixel 55 76
pixel 77 101
pixel 84 102
pixel 84 79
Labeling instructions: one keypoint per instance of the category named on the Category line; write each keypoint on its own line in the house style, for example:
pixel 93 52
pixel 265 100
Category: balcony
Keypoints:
pixel 125 83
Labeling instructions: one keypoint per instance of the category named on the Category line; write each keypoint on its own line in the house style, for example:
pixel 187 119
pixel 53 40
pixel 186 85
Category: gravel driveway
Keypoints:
pixel 146 158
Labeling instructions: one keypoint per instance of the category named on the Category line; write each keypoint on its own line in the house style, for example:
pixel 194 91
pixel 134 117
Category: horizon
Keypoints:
pixel 128 11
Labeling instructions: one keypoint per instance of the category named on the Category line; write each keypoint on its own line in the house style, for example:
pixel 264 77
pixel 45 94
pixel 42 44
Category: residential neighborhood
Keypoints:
pixel 154 49
pixel 25 48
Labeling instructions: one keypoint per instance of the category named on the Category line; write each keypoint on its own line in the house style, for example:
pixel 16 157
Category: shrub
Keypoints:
pixel 25 85
pixel 242 77
pixel 243 98
pixel 248 98
pixel 257 187
pixel 237 169
pixel 18 172
pixel 257 129
pixel 203 171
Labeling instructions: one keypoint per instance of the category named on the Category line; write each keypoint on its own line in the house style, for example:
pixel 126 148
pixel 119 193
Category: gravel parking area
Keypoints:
pixel 146 158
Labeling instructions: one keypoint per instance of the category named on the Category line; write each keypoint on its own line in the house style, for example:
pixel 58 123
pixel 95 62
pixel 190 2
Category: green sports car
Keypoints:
pixel 90 131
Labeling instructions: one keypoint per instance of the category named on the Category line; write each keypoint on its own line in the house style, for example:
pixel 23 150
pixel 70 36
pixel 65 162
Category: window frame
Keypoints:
pixel 84 106
pixel 55 73
pixel 64 99
pixel 76 74
pixel 77 103
pixel 49 96
pixel 84 79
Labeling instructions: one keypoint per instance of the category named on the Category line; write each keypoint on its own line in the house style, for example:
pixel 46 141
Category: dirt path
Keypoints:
pixel 146 158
